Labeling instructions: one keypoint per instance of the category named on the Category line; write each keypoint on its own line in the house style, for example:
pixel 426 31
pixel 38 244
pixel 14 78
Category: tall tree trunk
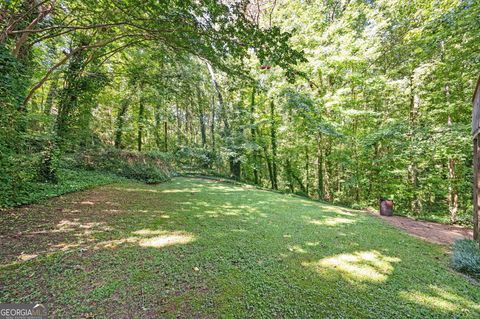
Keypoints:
pixel 452 191
pixel 72 89
pixel 289 175
pixel 141 115
pixel 201 117
pixel 52 93
pixel 179 125
pixel 273 137
pixel 326 168
pixel 120 123
pixel 158 124
pixel 320 191
pixel 212 125
pixel 253 132
pixel 165 136
pixel 307 171
pixel 415 204
pixel 269 167
pixel 452 176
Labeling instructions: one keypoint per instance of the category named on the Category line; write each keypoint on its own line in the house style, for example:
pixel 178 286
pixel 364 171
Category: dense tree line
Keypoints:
pixel 342 100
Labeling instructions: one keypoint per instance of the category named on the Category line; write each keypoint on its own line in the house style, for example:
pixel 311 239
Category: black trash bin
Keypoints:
pixel 386 207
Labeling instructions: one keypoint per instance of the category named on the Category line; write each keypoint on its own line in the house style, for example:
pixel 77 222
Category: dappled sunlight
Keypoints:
pixel 363 266
pixel 331 221
pixel 185 190
pixel 25 257
pixel 438 298
pixel 312 243
pixel 297 249
pixel 150 238
pixel 145 190
pixel 167 240
pixel 65 226
pixel 148 232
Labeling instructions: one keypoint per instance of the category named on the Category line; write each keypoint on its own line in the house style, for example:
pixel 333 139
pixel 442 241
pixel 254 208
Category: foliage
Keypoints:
pixel 150 168
pixel 344 101
pixel 194 158
pixel 68 180
pixel 466 257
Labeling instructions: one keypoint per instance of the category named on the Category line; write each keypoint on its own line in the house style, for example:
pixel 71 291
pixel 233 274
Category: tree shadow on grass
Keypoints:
pixel 202 250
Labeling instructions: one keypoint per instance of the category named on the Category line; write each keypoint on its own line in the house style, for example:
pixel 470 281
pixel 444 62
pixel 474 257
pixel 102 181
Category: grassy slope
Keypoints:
pixel 197 248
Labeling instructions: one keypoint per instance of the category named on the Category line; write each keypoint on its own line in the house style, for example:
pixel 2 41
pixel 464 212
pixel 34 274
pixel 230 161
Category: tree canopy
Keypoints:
pixel 346 101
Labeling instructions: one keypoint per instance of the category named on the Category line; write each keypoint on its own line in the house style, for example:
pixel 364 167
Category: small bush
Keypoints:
pixel 150 168
pixel 194 158
pixel 466 257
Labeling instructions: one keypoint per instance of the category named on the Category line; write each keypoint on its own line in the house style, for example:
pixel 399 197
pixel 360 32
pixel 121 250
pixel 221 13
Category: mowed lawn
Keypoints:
pixel 194 248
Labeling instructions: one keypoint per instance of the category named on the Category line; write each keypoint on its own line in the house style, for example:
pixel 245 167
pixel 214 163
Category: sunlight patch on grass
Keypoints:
pixel 185 190
pixel 150 238
pixel 25 257
pixel 364 266
pixel 331 221
pixel 66 225
pixel 297 249
pixel 167 240
pixel 440 299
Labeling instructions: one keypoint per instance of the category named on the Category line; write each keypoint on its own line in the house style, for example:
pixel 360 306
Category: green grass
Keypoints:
pixel 198 248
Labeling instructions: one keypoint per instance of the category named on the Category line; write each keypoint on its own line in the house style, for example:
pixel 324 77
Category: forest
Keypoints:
pixel 343 101
pixel 227 158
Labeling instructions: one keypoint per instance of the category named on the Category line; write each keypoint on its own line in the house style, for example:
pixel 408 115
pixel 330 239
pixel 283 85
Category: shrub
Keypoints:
pixel 150 168
pixel 194 158
pixel 32 190
pixel 466 257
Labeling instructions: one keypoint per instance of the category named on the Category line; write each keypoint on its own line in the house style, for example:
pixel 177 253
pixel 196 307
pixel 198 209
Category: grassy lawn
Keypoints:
pixel 193 248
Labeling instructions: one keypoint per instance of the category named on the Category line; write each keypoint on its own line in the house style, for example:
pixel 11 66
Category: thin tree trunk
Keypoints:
pixel 290 176
pixel 212 125
pixel 307 171
pixel 141 114
pixel 452 185
pixel 120 123
pixel 179 125
pixel 201 115
pixel 273 138
pixel 415 204
pixel 320 191
pixel 165 136
pixel 269 166
pixel 253 131
pixel 158 138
